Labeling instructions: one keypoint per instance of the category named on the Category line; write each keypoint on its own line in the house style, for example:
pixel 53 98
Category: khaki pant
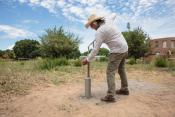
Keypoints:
pixel 116 62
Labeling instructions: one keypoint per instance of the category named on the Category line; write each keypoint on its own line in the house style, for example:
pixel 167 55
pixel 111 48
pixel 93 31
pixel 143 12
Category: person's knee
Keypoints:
pixel 110 73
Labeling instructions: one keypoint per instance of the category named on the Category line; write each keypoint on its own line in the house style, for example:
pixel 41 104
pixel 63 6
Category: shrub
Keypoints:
pixel 52 63
pixel 22 63
pixel 77 63
pixel 103 59
pixel 45 64
pixel 56 42
pixel 161 62
pixel 132 61
pixel 171 65
pixel 139 61
pixel 61 62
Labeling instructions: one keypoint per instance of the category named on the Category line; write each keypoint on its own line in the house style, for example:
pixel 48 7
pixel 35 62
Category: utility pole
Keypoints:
pixel 128 26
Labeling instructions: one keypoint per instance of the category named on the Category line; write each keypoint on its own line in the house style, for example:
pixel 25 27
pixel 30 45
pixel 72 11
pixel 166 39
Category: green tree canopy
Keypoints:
pixel 1 53
pixel 85 53
pixel 58 43
pixel 137 42
pixel 103 52
pixel 26 48
pixel 7 54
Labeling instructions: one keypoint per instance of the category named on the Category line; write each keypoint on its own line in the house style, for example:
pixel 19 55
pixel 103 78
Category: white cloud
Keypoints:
pixel 49 5
pixel 61 3
pixel 14 32
pixel 30 21
pixel 79 10
pixel 88 2
pixel 76 10
pixel 152 15
pixel 22 1
pixel 35 1
pixel 10 47
pixel 69 8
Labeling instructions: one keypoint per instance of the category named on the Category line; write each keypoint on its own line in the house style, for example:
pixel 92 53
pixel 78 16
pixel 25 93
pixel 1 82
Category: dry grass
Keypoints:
pixel 16 77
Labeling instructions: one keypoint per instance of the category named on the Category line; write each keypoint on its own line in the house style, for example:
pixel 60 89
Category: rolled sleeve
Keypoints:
pixel 99 38
pixel 113 16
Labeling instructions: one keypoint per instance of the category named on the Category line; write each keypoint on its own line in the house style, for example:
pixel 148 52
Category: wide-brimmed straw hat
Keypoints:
pixel 91 19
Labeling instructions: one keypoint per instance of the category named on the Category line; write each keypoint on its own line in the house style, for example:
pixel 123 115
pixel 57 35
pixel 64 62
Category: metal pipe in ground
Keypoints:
pixel 88 83
pixel 88 78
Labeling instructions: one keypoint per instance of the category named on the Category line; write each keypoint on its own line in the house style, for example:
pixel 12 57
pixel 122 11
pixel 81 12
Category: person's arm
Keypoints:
pixel 113 16
pixel 99 38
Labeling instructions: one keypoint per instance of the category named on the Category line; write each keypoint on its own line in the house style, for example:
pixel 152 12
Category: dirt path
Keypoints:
pixel 66 100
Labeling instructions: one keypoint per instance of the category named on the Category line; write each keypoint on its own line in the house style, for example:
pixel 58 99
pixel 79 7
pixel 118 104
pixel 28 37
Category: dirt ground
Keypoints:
pixel 152 94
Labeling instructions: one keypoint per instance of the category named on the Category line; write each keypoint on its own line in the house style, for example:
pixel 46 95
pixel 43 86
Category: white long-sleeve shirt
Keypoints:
pixel 111 36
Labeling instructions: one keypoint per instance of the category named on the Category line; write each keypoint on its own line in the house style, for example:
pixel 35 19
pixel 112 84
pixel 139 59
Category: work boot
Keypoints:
pixel 108 98
pixel 122 92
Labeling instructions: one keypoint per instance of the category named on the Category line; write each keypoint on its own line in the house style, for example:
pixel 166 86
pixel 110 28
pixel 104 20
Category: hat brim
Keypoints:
pixel 89 22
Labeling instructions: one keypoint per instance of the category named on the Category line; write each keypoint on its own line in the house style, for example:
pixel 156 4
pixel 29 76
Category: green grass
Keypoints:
pixel 132 61
pixel 161 62
pixel 48 63
pixel 171 65
pixel 77 63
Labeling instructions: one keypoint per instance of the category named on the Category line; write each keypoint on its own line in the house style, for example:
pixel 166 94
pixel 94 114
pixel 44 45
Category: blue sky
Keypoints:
pixel 20 19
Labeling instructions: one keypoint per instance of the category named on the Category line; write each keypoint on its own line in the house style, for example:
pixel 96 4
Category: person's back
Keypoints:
pixel 113 38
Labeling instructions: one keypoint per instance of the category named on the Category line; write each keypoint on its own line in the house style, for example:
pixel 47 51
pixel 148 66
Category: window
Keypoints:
pixel 164 44
pixel 157 44
pixel 173 44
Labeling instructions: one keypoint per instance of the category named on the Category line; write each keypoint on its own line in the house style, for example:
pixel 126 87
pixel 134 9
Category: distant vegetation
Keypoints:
pixel 102 52
pixel 48 63
pixel 132 61
pixel 161 62
pixel 137 41
pixel 55 43
pixel 26 49
pixel 7 54
pixel 58 43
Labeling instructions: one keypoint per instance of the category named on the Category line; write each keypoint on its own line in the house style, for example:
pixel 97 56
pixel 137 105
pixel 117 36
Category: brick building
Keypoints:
pixel 161 47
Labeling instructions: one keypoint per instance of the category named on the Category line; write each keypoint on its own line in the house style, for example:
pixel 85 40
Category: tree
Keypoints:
pixel 103 52
pixel 58 43
pixel 85 53
pixel 26 48
pixel 1 53
pixel 137 42
pixel 9 54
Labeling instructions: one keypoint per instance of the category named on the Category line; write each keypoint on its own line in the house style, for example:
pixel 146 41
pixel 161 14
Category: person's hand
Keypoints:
pixel 84 61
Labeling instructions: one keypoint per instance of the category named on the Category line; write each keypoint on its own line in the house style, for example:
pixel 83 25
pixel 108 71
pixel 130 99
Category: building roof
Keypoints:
pixel 163 38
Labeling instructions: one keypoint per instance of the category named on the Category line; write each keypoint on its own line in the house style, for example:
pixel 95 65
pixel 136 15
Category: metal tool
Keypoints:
pixel 88 78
